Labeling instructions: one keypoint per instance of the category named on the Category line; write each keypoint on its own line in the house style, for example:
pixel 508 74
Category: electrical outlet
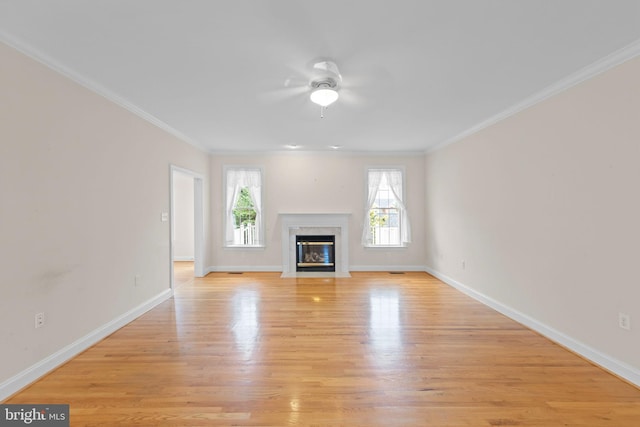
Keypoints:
pixel 39 320
pixel 137 280
pixel 624 321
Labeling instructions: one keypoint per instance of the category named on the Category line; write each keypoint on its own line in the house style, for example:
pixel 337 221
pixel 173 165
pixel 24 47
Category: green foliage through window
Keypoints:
pixel 244 212
pixel 377 219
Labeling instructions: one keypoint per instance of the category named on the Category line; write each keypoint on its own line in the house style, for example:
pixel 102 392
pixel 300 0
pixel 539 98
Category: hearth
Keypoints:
pixel 315 253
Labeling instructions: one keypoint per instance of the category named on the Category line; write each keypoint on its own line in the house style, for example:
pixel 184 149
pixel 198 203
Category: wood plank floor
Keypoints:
pixel 376 349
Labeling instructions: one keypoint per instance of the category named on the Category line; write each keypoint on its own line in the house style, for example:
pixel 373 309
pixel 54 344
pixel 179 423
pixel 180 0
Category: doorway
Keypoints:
pixel 187 225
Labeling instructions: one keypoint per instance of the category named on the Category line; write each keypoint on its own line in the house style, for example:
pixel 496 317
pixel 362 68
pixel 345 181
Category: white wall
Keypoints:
pixel 544 208
pixel 300 182
pixel 83 183
pixel 183 217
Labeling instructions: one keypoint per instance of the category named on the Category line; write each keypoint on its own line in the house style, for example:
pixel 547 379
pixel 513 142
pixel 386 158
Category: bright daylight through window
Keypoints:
pixel 243 207
pixel 386 222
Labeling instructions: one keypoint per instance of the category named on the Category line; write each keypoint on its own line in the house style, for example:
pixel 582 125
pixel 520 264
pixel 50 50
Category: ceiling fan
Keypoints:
pixel 325 84
pixel 321 82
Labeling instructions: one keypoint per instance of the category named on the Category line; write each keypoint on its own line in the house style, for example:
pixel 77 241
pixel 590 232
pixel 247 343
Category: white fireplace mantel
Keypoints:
pixel 317 223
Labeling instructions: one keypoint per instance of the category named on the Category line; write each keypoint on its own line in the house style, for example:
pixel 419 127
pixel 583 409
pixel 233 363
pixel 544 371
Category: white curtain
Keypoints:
pixel 393 177
pixel 237 179
pixel 373 181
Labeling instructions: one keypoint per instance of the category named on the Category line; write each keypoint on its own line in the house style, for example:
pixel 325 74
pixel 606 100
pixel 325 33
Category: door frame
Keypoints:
pixel 198 220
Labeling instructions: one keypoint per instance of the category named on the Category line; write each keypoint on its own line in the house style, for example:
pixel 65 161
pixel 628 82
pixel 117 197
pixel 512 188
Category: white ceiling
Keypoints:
pixel 416 74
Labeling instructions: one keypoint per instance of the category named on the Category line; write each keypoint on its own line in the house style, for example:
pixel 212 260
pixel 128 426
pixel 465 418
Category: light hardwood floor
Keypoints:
pixel 376 349
pixel 182 273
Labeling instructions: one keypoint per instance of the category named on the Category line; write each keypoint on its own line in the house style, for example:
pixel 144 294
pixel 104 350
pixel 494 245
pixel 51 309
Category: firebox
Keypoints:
pixel 315 253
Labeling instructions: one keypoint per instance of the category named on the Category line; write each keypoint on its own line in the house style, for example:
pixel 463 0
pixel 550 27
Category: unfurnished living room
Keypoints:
pixel 292 213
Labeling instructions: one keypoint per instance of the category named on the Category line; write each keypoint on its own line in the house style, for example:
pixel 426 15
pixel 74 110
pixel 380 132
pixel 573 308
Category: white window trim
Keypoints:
pixel 225 216
pixel 404 212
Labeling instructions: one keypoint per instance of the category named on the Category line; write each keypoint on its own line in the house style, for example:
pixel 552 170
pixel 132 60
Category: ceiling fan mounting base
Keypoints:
pixel 327 83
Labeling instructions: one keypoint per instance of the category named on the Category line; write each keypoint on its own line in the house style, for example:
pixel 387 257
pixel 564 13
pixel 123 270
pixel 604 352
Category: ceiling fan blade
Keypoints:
pixel 283 94
pixel 366 81
pixel 352 97
pixel 295 81
pixel 326 68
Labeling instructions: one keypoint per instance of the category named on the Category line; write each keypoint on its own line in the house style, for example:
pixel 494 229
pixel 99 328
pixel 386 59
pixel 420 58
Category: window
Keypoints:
pixel 243 219
pixel 386 221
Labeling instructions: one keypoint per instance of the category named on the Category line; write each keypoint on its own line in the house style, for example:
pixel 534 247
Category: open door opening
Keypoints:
pixel 186 226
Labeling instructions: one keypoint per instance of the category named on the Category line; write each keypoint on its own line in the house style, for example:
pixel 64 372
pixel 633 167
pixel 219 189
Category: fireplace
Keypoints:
pixel 315 224
pixel 315 253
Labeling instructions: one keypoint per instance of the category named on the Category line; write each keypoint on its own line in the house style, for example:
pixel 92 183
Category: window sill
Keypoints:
pixel 385 246
pixel 247 247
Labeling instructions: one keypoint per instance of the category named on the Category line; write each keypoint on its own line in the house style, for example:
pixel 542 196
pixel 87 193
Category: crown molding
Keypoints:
pixel 315 153
pixel 94 87
pixel 616 58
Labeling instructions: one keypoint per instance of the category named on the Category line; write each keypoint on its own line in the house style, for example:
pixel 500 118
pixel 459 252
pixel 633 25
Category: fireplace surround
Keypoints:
pixel 321 224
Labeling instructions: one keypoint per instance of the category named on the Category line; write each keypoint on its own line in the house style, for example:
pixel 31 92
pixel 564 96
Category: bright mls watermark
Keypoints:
pixel 34 415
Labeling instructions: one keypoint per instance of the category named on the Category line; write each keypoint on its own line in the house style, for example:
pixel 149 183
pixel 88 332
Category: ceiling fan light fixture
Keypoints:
pixel 324 96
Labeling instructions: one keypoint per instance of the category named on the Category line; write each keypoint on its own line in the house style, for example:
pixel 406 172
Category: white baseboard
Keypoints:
pixel 31 374
pixel 243 268
pixel 183 258
pixel 387 268
pixel 278 268
pixel 621 369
